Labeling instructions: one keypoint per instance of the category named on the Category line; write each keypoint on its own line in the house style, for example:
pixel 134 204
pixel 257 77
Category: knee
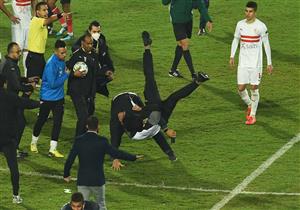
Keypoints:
pixel 184 44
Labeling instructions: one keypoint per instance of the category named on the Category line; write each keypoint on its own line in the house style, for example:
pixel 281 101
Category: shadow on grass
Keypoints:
pixel 156 173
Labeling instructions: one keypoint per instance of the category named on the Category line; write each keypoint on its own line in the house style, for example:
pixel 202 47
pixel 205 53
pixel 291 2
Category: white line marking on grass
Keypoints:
pixel 52 176
pixel 264 166
pixel 8 3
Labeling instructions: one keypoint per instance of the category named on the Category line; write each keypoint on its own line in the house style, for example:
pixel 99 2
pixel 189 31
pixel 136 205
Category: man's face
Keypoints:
pixel 77 205
pixel 87 44
pixel 61 53
pixel 95 29
pixel 15 52
pixel 250 13
pixel 42 12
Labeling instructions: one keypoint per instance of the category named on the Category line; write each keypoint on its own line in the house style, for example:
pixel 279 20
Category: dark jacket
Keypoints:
pixel 85 86
pixel 9 104
pixel 91 149
pixel 88 205
pixel 101 49
pixel 12 75
pixel 122 103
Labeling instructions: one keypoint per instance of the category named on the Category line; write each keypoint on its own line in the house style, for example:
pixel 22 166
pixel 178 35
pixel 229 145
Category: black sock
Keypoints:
pixel 188 59
pixel 178 55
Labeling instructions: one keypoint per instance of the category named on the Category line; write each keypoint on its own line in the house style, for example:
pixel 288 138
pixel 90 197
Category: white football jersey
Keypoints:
pixel 22 10
pixel 250 36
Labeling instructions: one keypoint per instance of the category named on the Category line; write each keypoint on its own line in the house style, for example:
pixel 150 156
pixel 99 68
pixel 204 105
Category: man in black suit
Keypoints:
pixel 82 85
pixel 101 49
pixel 10 103
pixel 91 149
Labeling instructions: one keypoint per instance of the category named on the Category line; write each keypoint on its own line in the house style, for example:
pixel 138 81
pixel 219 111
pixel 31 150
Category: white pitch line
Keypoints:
pixel 52 176
pixel 239 188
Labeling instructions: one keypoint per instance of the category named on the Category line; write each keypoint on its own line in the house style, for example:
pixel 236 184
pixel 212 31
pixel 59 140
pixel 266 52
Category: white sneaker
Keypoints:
pixel 17 199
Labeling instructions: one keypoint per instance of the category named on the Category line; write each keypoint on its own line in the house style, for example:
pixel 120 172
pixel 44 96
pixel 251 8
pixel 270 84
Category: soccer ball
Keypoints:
pixel 82 67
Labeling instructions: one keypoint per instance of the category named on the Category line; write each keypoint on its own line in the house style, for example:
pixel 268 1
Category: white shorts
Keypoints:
pixel 249 75
pixel 20 31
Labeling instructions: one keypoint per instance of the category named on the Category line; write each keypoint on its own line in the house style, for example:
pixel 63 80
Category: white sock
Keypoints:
pixel 25 53
pixel 34 139
pixel 71 34
pixel 255 100
pixel 245 97
pixel 53 145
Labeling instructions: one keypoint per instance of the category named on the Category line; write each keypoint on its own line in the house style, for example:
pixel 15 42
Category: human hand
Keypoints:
pixel 209 26
pixel 109 74
pixel 117 165
pixel 171 133
pixel 270 69
pixel 67 179
pixel 231 62
pixel 14 19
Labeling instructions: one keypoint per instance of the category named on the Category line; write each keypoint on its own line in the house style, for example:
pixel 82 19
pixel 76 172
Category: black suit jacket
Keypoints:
pixel 91 149
pixel 9 104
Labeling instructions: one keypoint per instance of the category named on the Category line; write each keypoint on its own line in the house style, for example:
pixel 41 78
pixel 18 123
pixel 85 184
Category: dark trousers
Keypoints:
pixel 10 153
pixel 21 126
pixel 151 92
pixel 84 107
pixel 167 106
pixel 57 108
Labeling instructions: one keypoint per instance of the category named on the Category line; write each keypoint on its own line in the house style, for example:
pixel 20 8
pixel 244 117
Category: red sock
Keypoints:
pixel 61 20
pixel 69 23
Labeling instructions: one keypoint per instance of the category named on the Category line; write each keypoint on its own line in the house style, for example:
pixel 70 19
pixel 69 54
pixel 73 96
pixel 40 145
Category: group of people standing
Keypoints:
pixel 129 114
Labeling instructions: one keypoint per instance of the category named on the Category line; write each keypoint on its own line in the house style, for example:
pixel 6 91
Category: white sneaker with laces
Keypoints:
pixel 17 199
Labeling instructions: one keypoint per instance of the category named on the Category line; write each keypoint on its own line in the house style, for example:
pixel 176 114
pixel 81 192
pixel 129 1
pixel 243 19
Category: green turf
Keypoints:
pixel 215 149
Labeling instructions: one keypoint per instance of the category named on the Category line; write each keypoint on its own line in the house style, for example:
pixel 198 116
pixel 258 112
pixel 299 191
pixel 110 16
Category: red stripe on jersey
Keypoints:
pixel 23 5
pixel 251 37
pixel 23 1
pixel 247 40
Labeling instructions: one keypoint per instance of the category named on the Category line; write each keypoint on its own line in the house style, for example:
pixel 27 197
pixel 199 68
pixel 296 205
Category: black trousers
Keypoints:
pixel 84 107
pixel 10 153
pixel 167 106
pixel 151 92
pixel 21 126
pixel 57 108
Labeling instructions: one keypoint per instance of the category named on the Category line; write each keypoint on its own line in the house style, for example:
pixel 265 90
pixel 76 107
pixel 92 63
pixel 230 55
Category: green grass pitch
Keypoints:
pixel 215 149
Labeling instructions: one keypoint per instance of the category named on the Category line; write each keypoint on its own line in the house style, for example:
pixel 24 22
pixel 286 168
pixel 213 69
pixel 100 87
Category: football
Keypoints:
pixel 82 67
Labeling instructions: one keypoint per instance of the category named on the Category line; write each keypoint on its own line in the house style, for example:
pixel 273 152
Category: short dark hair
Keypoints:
pixel 77 197
pixel 133 122
pixel 59 44
pixel 10 46
pixel 94 23
pixel 92 122
pixel 39 5
pixel 87 34
pixel 252 4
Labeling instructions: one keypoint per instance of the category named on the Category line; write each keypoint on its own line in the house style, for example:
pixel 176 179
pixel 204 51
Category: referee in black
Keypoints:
pixel 16 84
pixel 82 87
pixel 10 103
pixel 128 113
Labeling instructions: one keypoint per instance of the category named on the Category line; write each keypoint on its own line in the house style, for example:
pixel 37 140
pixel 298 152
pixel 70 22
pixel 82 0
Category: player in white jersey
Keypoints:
pixel 22 10
pixel 251 33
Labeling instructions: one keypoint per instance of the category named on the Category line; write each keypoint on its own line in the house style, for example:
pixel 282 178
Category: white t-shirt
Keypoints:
pixel 144 134
pixel 250 36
